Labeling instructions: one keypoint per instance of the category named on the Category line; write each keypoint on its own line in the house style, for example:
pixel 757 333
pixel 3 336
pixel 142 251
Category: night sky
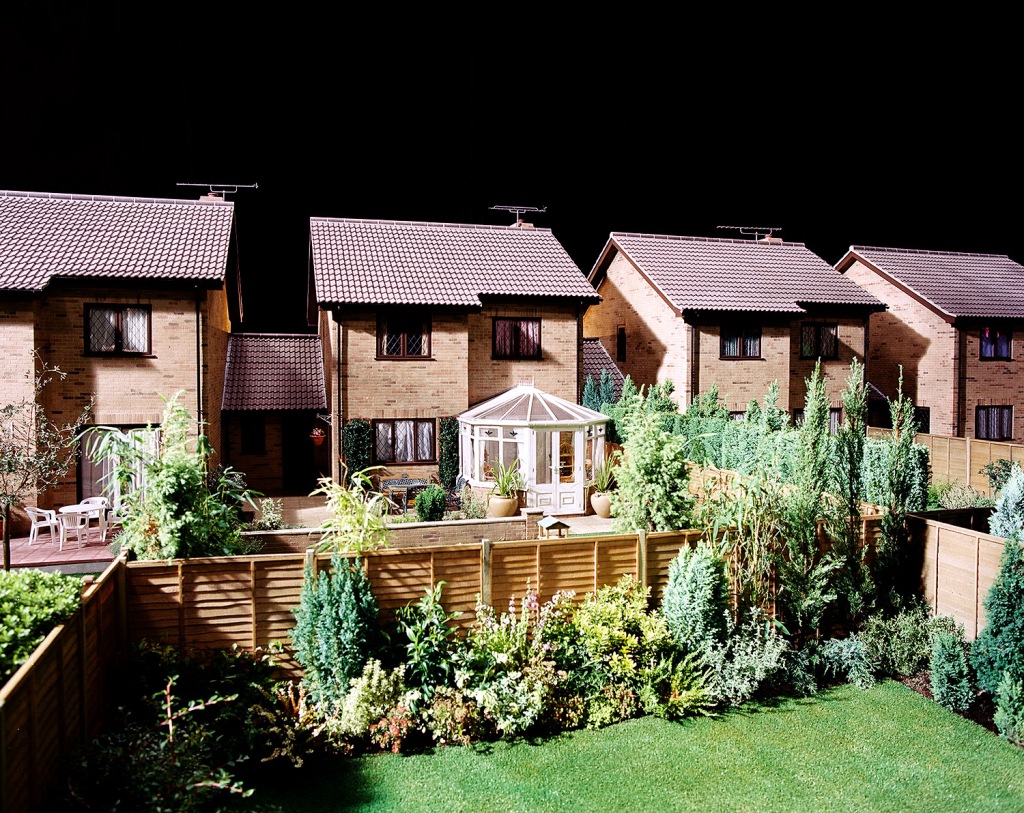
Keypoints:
pixel 868 132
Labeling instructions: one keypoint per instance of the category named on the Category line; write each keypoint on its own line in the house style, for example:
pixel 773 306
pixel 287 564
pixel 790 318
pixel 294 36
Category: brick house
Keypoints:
pixel 955 322
pixel 737 313
pixel 274 398
pixel 423 320
pixel 133 298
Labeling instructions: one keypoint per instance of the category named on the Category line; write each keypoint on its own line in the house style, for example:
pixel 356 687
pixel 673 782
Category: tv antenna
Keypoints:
pixel 222 189
pixel 757 231
pixel 520 209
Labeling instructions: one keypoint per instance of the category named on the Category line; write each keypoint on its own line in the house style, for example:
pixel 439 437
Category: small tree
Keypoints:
pixel 35 450
pixel 357 444
pixel 356 520
pixel 999 649
pixel 448 451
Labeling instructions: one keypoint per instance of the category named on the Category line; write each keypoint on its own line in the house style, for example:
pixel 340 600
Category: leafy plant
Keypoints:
pixel 371 696
pixel 961 495
pixel 604 475
pixel 899 645
pixel 32 602
pixel 356 514
pixel 848 658
pixel 1007 519
pixel 448 451
pixel 270 516
pixel 695 602
pixel 36 451
pixel 357 445
pixel 999 649
pixel 1009 715
pixel 752 656
pixel 429 641
pixel 336 631
pixel 951 680
pixel 431 503
pixel 507 479
pixel 998 472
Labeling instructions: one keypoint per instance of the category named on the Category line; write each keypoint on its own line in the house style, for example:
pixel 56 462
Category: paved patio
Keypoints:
pixel 95 555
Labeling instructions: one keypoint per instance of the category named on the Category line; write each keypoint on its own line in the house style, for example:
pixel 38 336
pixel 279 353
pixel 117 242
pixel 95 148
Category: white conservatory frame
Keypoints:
pixel 528 424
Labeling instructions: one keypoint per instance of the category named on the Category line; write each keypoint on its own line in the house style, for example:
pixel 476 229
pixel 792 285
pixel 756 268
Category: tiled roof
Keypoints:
pixel 703 273
pixel 45 235
pixel 595 359
pixel 270 372
pixel 377 262
pixel 958 284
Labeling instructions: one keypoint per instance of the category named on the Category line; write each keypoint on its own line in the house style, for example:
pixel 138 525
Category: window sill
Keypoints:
pixel 404 358
pixel 741 358
pixel 119 355
pixel 995 358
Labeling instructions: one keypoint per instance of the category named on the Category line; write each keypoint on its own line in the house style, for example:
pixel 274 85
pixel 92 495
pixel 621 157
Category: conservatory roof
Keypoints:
pixel 525 405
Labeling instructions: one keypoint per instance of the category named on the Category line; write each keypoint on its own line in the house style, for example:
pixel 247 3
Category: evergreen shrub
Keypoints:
pixel 357 445
pixel 1009 716
pixel 448 451
pixel 1000 646
pixel 32 602
pixel 1007 519
pixel 431 503
pixel 951 679
pixel 695 601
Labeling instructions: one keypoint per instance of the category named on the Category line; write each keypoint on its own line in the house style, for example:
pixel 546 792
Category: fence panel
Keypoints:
pixel 56 700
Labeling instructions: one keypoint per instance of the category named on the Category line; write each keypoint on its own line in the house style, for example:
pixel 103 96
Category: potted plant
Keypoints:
pixel 504 500
pixel 316 434
pixel 603 483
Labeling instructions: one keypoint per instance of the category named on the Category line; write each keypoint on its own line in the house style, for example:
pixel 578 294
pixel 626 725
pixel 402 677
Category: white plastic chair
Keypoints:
pixel 73 521
pixel 102 504
pixel 42 518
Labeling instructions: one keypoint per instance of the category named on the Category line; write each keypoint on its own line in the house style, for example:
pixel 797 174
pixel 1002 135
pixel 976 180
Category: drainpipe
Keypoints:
pixel 336 463
pixel 199 370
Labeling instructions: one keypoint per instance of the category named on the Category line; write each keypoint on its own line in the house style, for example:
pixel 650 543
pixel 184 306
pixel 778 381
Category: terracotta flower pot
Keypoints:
pixel 601 503
pixel 317 439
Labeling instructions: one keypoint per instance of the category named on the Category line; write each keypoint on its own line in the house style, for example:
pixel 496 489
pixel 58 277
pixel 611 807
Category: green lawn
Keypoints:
pixel 886 749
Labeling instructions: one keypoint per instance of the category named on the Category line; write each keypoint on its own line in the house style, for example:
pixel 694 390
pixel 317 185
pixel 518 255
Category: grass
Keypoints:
pixel 884 749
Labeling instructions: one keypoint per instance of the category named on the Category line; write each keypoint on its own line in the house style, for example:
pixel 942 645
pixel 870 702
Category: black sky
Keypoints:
pixel 841 132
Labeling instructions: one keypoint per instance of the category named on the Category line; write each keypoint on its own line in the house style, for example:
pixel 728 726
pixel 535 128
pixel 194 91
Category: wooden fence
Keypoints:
pixel 58 697
pixel 958 567
pixel 961 459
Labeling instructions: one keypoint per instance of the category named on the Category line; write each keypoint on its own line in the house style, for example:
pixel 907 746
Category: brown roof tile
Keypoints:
pixel 269 372
pixel 958 284
pixel 595 359
pixel 704 273
pixel 378 262
pixel 47 235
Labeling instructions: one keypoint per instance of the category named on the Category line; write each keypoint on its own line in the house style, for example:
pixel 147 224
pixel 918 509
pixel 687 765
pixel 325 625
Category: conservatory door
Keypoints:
pixel 558 472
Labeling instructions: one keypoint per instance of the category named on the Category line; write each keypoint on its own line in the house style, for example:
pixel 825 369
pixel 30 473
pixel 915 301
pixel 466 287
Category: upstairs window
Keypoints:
pixel 993 423
pixel 516 338
pixel 620 343
pixel 740 342
pixel 117 330
pixel 819 341
pixel 996 343
pixel 404 441
pixel 403 336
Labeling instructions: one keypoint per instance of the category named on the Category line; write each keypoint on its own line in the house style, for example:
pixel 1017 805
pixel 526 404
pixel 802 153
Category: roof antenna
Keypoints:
pixel 757 231
pixel 519 210
pixel 219 190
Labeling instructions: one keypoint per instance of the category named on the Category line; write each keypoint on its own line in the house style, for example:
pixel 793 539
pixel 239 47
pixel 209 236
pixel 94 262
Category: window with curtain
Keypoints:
pixel 404 441
pixel 819 341
pixel 740 342
pixel 993 422
pixel 996 344
pixel 517 338
pixel 117 329
pixel 403 336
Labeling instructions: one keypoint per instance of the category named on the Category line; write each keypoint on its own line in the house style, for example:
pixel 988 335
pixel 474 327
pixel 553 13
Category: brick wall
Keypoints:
pixel 991 382
pixel 851 345
pixel 740 380
pixel 657 345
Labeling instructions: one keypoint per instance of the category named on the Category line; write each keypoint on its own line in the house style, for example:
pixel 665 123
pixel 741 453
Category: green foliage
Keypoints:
pixel 356 515
pixel 32 602
pixel 961 495
pixel 805 575
pixel 431 503
pixel 893 574
pixel 616 411
pixel 951 678
pixel 604 475
pixel 453 717
pixel 676 687
pixel 508 480
pixel 1009 716
pixel 270 516
pixel 336 631
pixel 847 658
pixel 876 473
pixel 180 511
pixel 591 399
pixel 429 641
pixel 650 405
pixel 357 445
pixel 370 697
pixel 470 506
pixel 597 393
pixel 999 648
pixel 652 493
pixel 695 602
pixel 448 451
pixel 752 657
pixel 899 645
pixel 174 745
pixel 998 472
pixel 703 423
pixel 1007 519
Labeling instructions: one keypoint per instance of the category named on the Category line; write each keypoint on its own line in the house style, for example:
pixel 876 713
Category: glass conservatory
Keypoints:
pixel 555 441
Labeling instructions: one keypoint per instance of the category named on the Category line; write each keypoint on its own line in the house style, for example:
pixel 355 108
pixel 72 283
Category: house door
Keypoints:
pixel 558 472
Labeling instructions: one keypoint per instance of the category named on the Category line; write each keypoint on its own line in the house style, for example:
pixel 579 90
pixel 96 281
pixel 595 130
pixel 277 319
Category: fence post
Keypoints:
pixel 967 455
pixel 485 571
pixel 641 557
